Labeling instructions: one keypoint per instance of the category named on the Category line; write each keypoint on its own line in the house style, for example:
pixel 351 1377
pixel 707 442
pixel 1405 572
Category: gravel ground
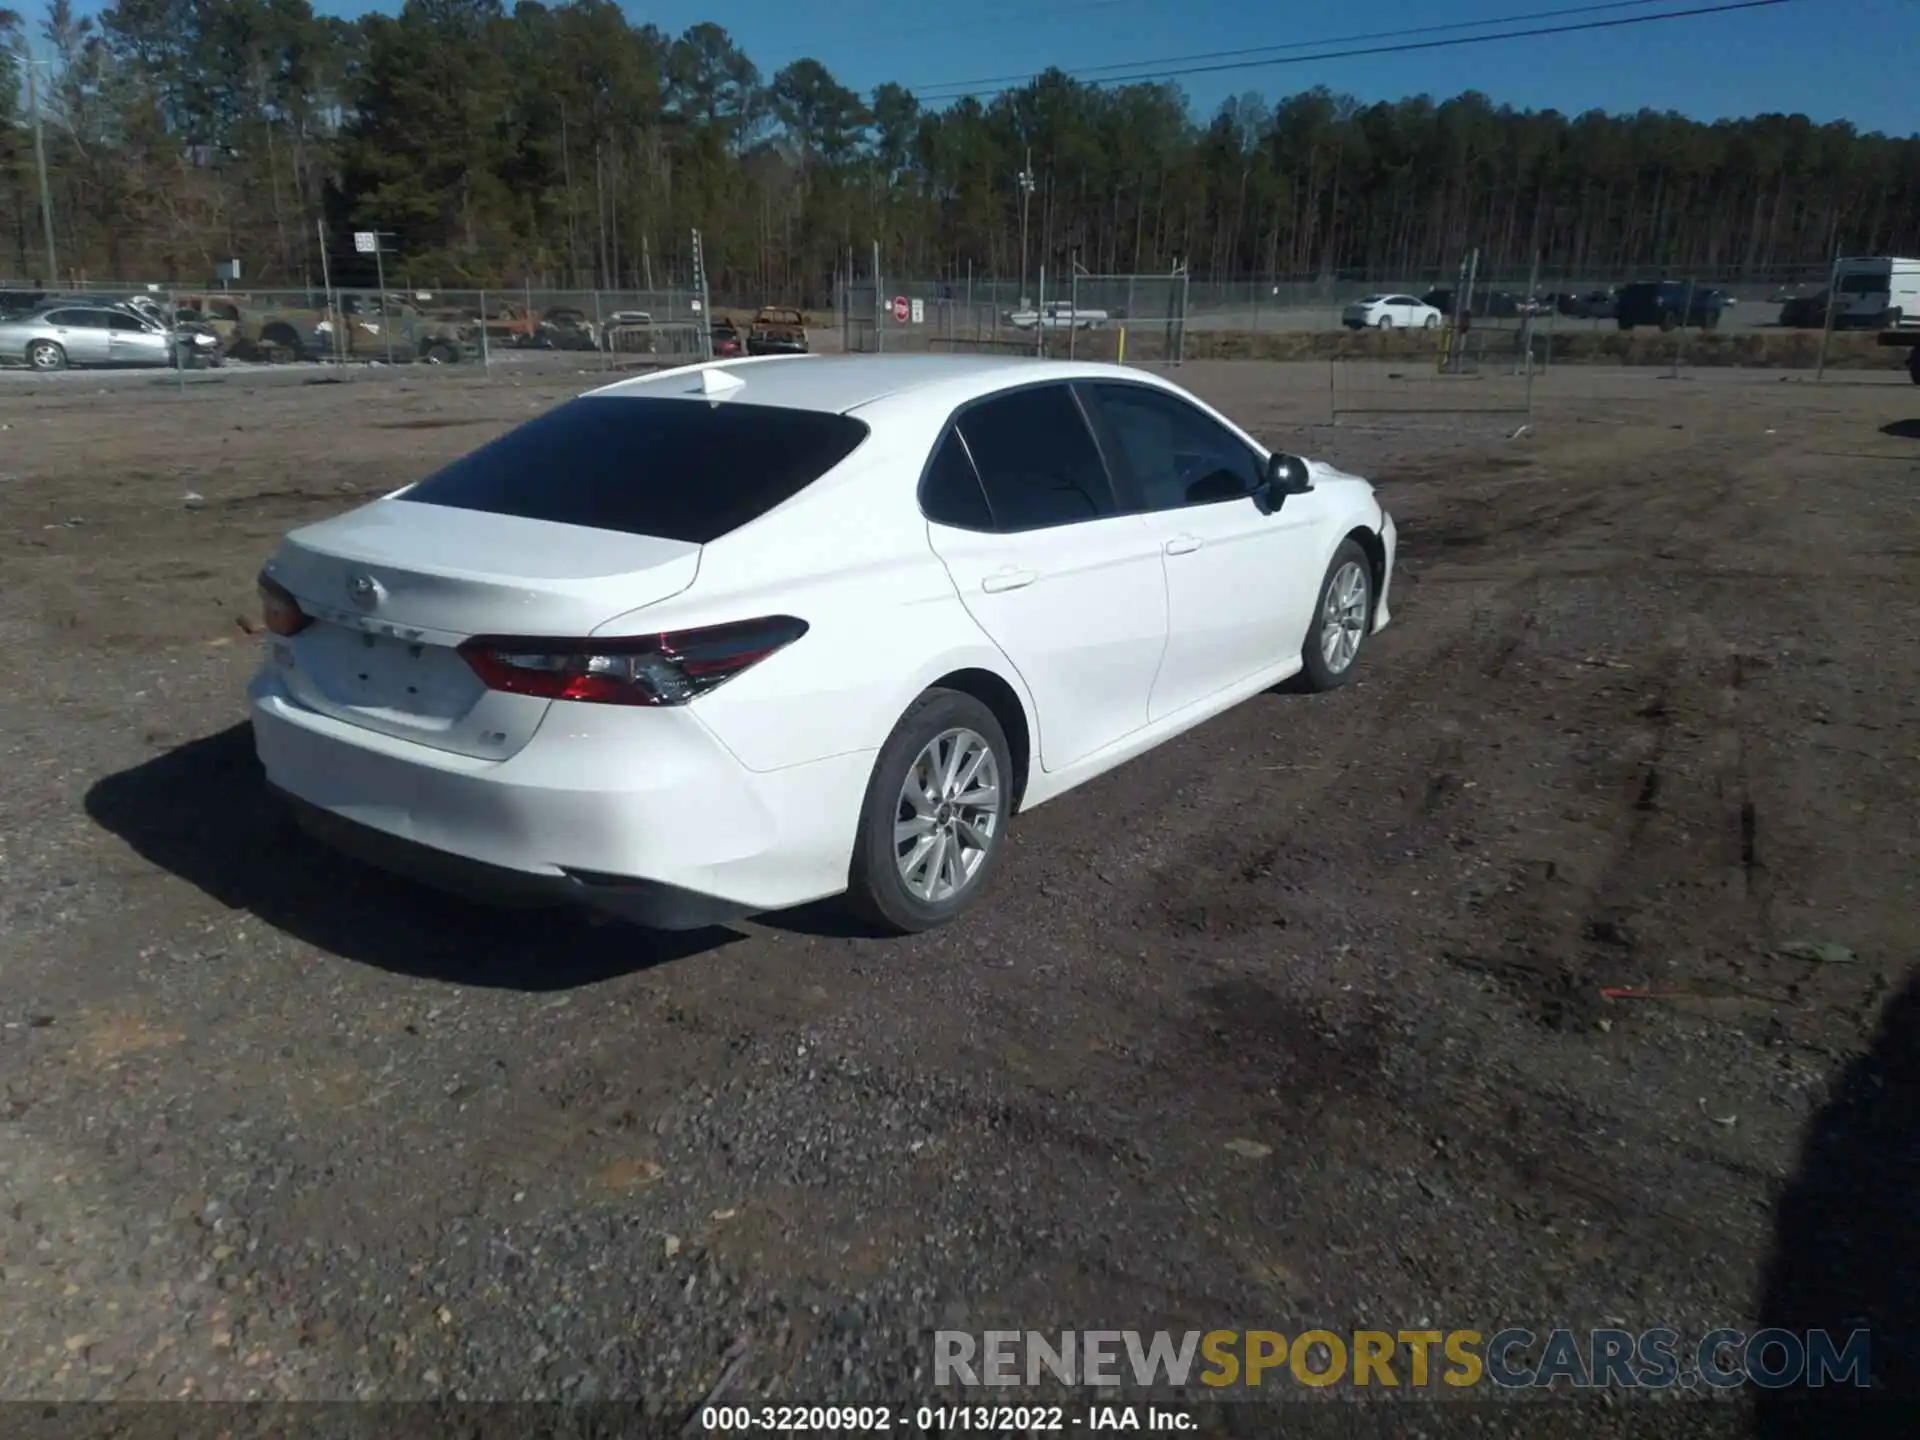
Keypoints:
pixel 1296 1022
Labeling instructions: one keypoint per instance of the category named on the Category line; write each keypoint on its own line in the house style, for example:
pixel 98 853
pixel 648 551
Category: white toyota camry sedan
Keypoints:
pixel 729 638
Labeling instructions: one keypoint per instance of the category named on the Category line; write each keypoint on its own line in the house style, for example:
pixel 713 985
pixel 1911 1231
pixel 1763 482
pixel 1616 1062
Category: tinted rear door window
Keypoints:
pixel 676 469
pixel 1037 460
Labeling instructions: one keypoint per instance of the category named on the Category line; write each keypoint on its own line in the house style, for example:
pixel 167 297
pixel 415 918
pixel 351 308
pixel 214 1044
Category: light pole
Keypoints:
pixel 40 159
pixel 1025 182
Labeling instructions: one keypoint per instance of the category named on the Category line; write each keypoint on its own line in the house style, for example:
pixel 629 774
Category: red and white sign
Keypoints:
pixel 901 308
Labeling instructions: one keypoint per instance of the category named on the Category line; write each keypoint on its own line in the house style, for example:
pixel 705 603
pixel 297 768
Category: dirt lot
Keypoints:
pixel 272 1125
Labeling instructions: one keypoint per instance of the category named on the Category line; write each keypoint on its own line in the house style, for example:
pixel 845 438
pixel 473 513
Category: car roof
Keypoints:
pixel 838 385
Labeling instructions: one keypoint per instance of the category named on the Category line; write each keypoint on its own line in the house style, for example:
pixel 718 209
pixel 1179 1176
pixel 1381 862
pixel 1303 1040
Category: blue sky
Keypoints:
pixel 1831 59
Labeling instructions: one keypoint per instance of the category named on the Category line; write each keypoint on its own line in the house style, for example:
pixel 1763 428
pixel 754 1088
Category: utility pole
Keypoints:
pixel 40 159
pixel 1025 182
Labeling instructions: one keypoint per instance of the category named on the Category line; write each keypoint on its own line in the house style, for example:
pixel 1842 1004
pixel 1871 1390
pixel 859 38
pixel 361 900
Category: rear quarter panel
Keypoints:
pixel 850 557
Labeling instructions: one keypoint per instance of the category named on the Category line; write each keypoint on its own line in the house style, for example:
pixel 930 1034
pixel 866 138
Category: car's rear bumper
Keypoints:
pixel 643 813
pixel 652 903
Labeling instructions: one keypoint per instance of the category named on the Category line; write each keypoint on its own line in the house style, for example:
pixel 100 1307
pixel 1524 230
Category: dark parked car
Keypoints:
pixel 1668 304
pixel 1805 312
pixel 1598 305
pixel 565 328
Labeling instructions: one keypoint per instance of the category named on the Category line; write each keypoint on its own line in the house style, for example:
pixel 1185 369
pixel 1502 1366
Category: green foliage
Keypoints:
pixel 564 145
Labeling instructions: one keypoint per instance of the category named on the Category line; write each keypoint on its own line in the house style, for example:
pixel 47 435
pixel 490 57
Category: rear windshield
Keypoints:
pixel 676 469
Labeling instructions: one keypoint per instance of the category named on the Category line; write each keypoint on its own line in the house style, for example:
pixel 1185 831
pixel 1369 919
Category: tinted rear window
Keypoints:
pixel 676 469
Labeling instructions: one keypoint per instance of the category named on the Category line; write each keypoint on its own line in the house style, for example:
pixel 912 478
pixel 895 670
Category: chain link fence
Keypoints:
pixel 1554 316
pixel 1444 376
pixel 1079 315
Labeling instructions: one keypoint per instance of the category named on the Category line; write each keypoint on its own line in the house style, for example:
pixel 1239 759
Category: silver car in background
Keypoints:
pixel 68 333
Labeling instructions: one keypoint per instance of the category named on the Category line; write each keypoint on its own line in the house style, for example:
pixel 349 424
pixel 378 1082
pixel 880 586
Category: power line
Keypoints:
pixel 1392 49
pixel 1396 34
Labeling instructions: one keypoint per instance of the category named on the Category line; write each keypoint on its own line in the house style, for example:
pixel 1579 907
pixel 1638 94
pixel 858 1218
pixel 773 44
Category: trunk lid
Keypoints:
pixel 394 588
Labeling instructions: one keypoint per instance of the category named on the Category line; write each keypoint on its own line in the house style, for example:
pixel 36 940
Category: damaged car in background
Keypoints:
pixel 361 327
pixel 64 334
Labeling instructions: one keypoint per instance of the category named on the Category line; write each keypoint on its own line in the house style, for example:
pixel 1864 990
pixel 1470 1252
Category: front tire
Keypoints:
pixel 1913 364
pixel 1385 322
pixel 1342 618
pixel 935 816
pixel 46 355
pixel 1433 322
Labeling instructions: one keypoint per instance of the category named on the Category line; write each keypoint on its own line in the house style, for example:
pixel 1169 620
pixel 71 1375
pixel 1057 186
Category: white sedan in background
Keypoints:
pixel 1386 312
pixel 737 636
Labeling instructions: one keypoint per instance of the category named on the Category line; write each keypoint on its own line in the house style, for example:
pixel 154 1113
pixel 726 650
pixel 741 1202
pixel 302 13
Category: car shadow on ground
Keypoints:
pixel 1846 1251
pixel 203 812
pixel 1902 429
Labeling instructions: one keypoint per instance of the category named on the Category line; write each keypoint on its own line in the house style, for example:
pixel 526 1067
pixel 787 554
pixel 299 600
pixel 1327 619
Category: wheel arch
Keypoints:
pixel 1375 550
pixel 998 695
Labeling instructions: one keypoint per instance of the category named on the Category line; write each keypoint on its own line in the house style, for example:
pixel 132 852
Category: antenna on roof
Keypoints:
pixel 715 383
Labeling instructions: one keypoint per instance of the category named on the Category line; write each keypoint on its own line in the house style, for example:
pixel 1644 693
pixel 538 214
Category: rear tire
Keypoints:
pixel 439 353
pixel 916 807
pixel 1668 321
pixel 1342 620
pixel 1913 364
pixel 1891 320
pixel 46 355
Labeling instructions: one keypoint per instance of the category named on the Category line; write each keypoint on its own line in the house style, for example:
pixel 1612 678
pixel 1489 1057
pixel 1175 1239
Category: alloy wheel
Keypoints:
pixel 948 816
pixel 1343 617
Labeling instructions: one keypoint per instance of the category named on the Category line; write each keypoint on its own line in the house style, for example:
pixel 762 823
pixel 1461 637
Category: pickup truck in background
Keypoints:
pixel 1058 315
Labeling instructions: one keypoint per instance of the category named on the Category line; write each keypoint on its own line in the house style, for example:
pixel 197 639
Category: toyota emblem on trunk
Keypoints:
pixel 364 590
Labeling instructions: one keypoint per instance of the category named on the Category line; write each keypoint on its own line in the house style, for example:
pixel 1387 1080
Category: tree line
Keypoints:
pixel 561 145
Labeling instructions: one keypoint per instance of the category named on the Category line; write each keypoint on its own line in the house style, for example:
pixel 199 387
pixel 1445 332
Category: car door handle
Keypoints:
pixel 1183 544
pixel 1008 580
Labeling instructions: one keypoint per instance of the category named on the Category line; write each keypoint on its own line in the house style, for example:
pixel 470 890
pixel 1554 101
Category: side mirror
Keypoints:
pixel 1286 475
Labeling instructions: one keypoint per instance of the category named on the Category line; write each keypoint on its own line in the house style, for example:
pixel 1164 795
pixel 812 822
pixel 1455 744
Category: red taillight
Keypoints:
pixel 665 669
pixel 278 608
